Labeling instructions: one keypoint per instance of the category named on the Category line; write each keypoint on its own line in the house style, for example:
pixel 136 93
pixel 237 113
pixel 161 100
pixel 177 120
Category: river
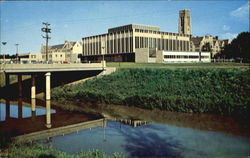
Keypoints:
pixel 132 131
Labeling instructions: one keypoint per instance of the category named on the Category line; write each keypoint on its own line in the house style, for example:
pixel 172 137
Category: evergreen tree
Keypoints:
pixel 238 49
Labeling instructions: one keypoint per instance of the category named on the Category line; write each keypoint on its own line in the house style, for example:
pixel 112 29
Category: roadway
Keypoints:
pixel 43 68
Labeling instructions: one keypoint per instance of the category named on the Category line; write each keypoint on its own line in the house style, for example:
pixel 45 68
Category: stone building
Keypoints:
pixel 185 22
pixel 202 43
pixel 67 52
pixel 122 43
pixel 140 43
pixel 30 57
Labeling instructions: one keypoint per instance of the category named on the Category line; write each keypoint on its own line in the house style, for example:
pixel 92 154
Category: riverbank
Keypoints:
pixel 218 91
pixel 220 65
pixel 13 79
pixel 28 150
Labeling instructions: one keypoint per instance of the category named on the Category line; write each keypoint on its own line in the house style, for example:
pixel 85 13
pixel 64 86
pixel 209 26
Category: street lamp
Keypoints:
pixel 4 43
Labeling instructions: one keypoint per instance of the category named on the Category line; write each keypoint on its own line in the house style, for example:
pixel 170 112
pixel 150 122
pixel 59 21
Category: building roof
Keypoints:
pixel 59 46
pixel 196 40
pixel 133 26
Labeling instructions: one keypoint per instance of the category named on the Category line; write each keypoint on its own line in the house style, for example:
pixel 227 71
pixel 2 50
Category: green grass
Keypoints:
pixel 221 91
pixel 34 150
pixel 13 79
pixel 178 65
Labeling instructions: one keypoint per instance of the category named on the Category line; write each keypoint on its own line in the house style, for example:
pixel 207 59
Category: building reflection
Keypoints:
pixel 132 122
pixel 18 111
pixel 30 121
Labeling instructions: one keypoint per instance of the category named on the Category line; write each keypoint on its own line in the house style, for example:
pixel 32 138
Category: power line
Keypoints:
pixel 46 29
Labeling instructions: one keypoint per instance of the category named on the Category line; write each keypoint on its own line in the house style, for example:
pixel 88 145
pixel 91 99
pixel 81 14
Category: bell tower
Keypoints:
pixel 185 22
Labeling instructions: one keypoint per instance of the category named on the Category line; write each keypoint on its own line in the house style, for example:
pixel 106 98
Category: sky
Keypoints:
pixel 21 21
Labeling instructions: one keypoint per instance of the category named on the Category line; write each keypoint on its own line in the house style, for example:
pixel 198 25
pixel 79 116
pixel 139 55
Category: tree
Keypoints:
pixel 238 49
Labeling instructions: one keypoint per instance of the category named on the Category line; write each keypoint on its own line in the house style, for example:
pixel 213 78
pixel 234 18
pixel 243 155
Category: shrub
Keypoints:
pixel 223 91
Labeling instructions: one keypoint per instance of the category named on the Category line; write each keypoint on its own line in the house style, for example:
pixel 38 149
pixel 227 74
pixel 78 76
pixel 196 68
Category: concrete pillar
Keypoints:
pixel 33 87
pixel 104 123
pixel 33 109
pixel 133 36
pixel 48 114
pixel 7 109
pixel 33 104
pixel 20 88
pixel 20 106
pixel 47 93
pixel 7 79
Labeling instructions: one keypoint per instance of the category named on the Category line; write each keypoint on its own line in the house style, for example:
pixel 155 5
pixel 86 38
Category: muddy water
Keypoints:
pixel 132 131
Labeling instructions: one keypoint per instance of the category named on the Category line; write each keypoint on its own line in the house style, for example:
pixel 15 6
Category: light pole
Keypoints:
pixel 103 52
pixel 103 48
pixel 4 43
pixel 16 52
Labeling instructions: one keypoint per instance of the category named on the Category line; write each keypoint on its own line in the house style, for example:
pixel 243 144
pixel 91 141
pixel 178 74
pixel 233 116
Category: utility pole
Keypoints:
pixel 16 53
pixel 46 29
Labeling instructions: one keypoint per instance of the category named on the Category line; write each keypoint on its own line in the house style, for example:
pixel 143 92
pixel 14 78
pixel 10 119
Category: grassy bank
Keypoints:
pixel 224 65
pixel 223 91
pixel 13 79
pixel 29 150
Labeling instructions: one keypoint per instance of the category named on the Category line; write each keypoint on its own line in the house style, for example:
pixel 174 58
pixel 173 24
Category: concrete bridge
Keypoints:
pixel 45 70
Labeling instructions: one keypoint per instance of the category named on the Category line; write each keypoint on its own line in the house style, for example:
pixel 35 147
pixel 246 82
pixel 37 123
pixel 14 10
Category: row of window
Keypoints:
pixel 162 44
pixel 158 32
pixel 120 45
pixel 50 56
pixel 185 57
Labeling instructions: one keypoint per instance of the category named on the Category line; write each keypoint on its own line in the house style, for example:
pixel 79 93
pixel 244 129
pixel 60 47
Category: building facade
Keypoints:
pixel 146 55
pixel 67 52
pixel 121 43
pixel 185 22
pixel 30 57
pixel 208 43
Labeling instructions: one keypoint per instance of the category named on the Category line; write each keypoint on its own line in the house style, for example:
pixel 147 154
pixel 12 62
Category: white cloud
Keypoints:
pixel 241 12
pixel 228 35
pixel 225 28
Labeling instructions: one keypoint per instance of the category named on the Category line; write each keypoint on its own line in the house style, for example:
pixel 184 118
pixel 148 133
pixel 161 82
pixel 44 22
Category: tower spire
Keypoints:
pixel 185 22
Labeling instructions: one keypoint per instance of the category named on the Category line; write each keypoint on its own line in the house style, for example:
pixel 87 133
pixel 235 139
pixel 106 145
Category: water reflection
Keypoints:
pixel 154 140
pixel 23 116
pixel 20 108
pixel 33 104
pixel 20 111
pixel 132 122
pixel 48 114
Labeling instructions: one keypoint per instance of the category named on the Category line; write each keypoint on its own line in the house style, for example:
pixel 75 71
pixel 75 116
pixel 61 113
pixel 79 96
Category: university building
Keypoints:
pixel 214 43
pixel 66 52
pixel 122 43
pixel 140 43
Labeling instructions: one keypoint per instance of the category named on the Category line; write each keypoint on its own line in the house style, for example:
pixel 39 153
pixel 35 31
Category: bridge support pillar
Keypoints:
pixel 47 93
pixel 33 87
pixel 7 109
pixel 20 88
pixel 20 108
pixel 33 104
pixel 7 79
pixel 48 114
pixel 33 109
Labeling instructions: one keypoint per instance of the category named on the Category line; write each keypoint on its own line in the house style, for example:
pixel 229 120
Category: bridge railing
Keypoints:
pixel 38 67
